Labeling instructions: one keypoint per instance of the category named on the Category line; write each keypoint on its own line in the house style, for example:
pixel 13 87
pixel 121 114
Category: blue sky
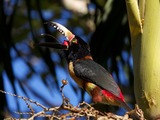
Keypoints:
pixel 35 82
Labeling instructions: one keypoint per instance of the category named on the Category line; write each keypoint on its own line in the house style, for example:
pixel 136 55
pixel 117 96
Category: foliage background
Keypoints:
pixel 103 24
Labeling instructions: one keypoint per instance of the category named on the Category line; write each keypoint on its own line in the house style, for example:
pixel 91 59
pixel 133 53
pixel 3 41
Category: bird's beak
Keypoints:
pixel 52 45
pixel 63 30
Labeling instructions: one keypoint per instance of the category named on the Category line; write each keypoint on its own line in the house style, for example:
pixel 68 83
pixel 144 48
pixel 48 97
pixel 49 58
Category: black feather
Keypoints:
pixel 93 72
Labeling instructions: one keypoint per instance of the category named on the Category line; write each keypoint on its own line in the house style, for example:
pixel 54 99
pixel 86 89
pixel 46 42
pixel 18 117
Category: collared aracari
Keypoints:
pixel 88 74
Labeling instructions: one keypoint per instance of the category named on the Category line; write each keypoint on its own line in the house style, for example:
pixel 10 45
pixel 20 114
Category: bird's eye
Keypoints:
pixel 74 41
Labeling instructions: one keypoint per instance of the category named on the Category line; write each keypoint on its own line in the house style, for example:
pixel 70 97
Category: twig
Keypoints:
pixel 24 98
pixel 81 110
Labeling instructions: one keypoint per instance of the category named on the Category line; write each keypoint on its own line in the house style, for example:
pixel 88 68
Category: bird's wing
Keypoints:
pixel 93 72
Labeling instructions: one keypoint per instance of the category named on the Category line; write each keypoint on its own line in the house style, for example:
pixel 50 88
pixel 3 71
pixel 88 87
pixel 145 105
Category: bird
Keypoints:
pixel 88 74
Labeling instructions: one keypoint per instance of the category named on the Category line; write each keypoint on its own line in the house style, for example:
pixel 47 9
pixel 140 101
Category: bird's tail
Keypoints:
pixel 126 106
pixel 129 109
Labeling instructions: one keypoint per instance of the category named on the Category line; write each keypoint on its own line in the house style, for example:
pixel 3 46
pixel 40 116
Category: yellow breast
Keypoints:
pixel 72 74
pixel 82 83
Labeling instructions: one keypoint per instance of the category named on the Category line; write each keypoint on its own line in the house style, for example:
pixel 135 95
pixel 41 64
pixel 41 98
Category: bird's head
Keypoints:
pixel 74 47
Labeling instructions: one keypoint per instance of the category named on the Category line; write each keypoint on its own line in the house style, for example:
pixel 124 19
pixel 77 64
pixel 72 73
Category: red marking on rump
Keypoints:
pixel 112 96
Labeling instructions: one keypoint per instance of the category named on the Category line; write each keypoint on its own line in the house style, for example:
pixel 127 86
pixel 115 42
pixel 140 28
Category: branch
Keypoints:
pixel 135 22
pixel 72 112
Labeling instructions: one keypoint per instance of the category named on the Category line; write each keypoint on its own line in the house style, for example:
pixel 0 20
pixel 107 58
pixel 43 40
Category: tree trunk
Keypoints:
pixel 144 22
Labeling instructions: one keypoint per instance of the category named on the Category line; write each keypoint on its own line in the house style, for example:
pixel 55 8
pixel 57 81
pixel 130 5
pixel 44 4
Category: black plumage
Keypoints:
pixel 91 71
